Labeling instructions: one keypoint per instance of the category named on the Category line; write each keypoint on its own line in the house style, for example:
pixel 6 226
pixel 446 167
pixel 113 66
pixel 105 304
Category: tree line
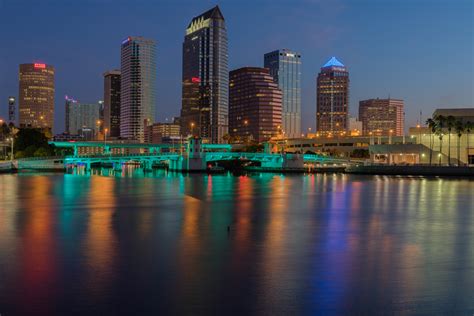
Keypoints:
pixel 440 126
pixel 28 142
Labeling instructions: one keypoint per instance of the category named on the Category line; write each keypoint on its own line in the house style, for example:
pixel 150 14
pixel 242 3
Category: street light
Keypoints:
pixel 11 156
pixel 105 139
pixel 192 128
pixel 98 128
pixel 419 133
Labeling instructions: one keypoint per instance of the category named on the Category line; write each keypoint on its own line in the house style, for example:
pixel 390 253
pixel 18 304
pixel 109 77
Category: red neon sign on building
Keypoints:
pixel 41 66
pixel 195 80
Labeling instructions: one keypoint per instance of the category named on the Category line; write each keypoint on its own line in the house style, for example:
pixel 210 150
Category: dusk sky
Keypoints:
pixel 419 51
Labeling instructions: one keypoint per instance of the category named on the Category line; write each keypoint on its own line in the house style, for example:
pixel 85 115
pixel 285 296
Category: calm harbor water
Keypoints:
pixel 158 243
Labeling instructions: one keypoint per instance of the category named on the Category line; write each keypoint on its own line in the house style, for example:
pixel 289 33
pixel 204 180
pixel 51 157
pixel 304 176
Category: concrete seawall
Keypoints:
pixel 6 167
pixel 412 170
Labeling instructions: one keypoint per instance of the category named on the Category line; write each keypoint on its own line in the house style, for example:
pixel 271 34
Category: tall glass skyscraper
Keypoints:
pixel 285 68
pixel 205 80
pixel 332 99
pixel 137 92
pixel 112 102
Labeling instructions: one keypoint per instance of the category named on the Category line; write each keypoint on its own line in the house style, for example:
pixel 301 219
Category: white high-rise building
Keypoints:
pixel 138 81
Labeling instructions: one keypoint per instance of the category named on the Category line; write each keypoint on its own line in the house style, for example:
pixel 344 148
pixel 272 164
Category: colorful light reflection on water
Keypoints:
pixel 141 243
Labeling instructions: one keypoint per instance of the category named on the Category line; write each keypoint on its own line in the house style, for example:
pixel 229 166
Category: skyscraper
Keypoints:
pixel 383 117
pixel 285 68
pixel 82 118
pixel 137 91
pixel 205 80
pixel 11 110
pixel 332 98
pixel 69 103
pixel 255 104
pixel 36 97
pixel 112 102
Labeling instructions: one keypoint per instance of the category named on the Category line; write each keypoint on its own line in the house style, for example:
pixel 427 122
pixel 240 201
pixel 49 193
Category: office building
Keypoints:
pixel 332 99
pixel 462 114
pixel 255 104
pixel 36 96
pixel 285 68
pixel 112 102
pixel 354 126
pixel 11 110
pixel 205 81
pixel 167 129
pixel 382 117
pixel 82 119
pixel 137 87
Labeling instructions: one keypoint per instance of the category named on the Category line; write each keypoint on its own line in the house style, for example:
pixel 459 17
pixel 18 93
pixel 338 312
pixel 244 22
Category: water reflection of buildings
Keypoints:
pixel 8 228
pixel 99 246
pixel 37 256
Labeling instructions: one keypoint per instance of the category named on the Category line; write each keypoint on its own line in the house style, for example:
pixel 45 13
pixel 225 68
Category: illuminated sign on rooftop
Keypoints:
pixel 195 80
pixel 125 41
pixel 333 62
pixel 67 98
pixel 40 66
pixel 198 24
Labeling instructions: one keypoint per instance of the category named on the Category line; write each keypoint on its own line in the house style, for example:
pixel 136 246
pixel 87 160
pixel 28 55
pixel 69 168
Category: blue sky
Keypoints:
pixel 419 50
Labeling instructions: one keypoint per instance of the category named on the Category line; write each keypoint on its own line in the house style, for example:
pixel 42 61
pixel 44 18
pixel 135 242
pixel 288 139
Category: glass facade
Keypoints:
pixel 332 99
pixel 36 96
pixel 255 105
pixel 285 68
pixel 112 102
pixel 81 118
pixel 138 82
pixel 205 80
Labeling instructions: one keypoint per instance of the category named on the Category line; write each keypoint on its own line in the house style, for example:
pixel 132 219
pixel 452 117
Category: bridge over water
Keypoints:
pixel 192 156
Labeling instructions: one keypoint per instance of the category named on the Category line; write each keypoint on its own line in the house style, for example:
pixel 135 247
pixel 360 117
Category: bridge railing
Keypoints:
pixel 42 158
pixel 105 155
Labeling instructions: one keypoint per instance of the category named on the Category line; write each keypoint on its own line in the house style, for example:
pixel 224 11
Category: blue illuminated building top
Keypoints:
pixel 333 62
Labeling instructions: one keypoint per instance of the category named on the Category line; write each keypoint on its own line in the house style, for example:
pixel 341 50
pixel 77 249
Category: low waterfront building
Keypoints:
pixel 399 154
pixel 463 114
pixel 449 144
pixel 343 146
pixel 66 137
pixel 155 133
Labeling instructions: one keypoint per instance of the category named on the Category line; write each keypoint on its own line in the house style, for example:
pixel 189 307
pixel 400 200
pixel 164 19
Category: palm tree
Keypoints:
pixel 432 127
pixel 4 131
pixel 440 124
pixel 469 126
pixel 459 128
pixel 450 123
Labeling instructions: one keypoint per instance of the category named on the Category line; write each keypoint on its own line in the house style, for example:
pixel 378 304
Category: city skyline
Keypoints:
pixel 430 83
